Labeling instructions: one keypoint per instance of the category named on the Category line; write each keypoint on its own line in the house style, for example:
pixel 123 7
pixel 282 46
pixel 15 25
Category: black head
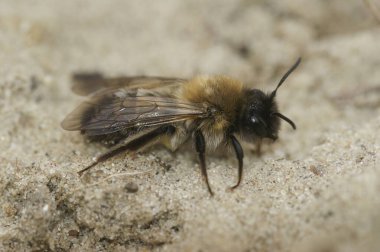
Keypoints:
pixel 259 117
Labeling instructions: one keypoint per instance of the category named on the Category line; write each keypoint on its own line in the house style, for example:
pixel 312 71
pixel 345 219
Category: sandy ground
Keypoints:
pixel 316 189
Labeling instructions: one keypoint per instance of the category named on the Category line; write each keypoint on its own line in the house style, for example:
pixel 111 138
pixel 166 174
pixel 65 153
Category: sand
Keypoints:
pixel 315 189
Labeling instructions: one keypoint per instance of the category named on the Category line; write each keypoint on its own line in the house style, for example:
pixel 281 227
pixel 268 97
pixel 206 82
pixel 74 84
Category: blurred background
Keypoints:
pixel 334 98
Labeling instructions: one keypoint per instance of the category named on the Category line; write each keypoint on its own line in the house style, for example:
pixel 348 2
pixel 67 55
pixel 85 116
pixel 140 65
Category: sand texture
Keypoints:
pixel 315 189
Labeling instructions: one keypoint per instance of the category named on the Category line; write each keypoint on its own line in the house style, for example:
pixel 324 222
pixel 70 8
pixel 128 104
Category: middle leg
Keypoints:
pixel 200 146
pixel 240 155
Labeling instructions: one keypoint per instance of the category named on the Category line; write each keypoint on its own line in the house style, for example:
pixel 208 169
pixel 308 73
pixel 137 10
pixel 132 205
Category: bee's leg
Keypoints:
pixel 200 147
pixel 133 146
pixel 240 155
pixel 258 147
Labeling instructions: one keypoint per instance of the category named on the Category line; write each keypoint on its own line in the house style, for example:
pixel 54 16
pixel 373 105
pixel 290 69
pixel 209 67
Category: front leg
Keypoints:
pixel 200 147
pixel 239 155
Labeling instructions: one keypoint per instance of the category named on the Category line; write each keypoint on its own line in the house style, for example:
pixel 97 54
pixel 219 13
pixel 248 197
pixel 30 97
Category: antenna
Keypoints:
pixel 286 75
pixel 285 119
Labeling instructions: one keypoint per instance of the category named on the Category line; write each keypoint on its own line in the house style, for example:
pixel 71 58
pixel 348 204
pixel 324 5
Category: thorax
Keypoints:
pixel 220 94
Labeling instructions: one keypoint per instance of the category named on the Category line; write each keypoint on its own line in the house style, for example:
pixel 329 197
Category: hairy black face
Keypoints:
pixel 258 116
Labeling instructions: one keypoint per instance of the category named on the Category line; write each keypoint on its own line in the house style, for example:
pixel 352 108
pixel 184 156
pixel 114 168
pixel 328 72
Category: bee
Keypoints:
pixel 137 112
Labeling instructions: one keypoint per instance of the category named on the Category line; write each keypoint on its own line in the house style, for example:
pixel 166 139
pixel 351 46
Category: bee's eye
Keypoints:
pixel 257 120
pixel 254 119
pixel 258 125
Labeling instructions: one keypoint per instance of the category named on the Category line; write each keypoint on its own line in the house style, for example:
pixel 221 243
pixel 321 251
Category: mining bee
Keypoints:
pixel 136 112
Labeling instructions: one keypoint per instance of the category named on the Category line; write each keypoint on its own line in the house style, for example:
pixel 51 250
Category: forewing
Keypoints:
pixel 124 109
pixel 88 83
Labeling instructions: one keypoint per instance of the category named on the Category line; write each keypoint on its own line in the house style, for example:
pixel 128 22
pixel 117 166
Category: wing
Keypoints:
pixel 88 83
pixel 124 108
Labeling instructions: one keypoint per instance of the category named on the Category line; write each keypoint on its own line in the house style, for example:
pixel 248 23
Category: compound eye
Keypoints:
pixel 258 126
pixel 258 120
pixel 254 119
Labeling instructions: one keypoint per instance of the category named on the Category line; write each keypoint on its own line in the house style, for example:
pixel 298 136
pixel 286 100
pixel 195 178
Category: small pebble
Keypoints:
pixel 131 187
pixel 73 233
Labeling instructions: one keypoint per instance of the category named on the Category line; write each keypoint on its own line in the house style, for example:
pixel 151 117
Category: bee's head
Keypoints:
pixel 259 117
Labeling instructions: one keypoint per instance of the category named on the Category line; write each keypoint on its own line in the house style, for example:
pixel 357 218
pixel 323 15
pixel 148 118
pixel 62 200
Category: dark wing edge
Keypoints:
pixel 85 84
pixel 112 113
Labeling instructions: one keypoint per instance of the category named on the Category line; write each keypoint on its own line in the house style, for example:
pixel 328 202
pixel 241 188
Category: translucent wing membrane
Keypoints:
pixel 123 109
pixel 88 83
